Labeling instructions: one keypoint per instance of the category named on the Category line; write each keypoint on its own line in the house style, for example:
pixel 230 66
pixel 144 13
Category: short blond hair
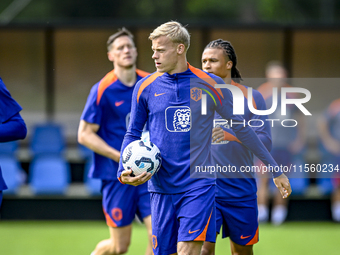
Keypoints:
pixel 174 31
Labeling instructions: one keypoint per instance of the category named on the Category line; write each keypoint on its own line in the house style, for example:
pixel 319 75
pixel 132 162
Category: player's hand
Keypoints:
pixel 282 183
pixel 136 180
pixel 217 135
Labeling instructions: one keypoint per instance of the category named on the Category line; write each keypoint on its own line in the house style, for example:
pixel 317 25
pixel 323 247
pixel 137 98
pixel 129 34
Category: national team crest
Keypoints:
pixel 196 94
pixel 154 242
pixel 117 214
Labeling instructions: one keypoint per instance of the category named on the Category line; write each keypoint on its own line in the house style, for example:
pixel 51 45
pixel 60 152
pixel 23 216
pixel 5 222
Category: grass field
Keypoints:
pixel 80 237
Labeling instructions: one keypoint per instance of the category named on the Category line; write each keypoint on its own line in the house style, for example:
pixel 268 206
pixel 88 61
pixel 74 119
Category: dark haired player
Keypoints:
pixel 236 203
pixel 12 126
pixel 101 129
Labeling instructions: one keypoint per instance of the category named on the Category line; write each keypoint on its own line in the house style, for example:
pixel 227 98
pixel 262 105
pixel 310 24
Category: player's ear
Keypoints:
pixel 229 64
pixel 180 48
pixel 110 56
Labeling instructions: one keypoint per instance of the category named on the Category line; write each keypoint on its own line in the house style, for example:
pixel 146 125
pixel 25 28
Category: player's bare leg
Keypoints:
pixel 237 249
pixel 147 222
pixel 279 209
pixel 189 248
pixel 262 198
pixel 208 248
pixel 336 195
pixel 336 204
pixel 117 244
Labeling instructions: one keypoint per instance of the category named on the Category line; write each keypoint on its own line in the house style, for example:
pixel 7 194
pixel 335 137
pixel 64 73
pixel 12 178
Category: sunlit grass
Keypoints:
pixel 80 238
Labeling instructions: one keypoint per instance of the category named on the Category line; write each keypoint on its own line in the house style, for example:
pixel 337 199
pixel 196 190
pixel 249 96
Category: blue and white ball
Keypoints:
pixel 141 156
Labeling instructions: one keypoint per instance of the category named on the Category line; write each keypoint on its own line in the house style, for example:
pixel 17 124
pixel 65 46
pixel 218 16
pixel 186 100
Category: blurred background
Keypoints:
pixel 53 52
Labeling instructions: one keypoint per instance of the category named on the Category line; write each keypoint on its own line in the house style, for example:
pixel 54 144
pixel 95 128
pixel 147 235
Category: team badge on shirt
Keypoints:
pixel 196 94
pixel 178 118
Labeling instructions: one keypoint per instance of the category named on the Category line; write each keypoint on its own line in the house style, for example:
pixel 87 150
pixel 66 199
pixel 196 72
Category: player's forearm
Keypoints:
pixel 265 139
pixel 249 138
pixel 138 119
pixel 13 129
pixel 267 142
pixel 260 124
pixel 98 145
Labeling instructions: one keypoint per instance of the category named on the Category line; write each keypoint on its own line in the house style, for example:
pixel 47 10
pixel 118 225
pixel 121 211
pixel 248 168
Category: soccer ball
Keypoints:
pixel 141 156
pixel 145 136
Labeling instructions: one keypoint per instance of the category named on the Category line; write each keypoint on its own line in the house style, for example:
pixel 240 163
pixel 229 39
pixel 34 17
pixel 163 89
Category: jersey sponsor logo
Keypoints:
pixel 196 94
pixel 178 118
pixel 190 232
pixel 221 123
pixel 119 103
pixel 245 237
pixel 157 95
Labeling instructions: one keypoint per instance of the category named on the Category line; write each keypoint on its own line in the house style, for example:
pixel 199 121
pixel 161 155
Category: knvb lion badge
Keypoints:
pixel 196 94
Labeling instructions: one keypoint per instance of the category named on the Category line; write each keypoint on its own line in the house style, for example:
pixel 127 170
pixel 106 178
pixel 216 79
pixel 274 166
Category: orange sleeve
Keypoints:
pixel 230 137
pixel 120 180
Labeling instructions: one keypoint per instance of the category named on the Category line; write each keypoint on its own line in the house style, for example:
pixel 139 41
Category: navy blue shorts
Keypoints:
pixel 188 216
pixel 121 202
pixel 239 220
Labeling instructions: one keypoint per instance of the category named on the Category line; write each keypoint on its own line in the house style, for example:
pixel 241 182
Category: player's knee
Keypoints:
pixel 118 249
pixel 242 252
pixel 122 250
pixel 208 248
pixel 189 248
pixel 207 251
pixel 239 253
pixel 150 235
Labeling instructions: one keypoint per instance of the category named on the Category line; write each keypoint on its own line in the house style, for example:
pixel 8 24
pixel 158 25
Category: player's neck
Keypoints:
pixel 227 79
pixel 182 66
pixel 126 75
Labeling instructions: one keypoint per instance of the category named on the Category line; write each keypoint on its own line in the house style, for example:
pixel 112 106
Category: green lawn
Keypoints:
pixel 80 237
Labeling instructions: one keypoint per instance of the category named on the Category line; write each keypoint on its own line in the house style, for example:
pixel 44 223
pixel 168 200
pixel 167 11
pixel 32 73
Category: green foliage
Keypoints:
pixel 300 11
pixel 242 11
pixel 213 9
